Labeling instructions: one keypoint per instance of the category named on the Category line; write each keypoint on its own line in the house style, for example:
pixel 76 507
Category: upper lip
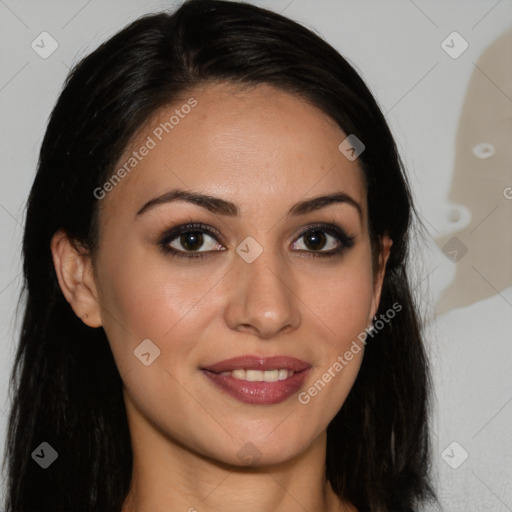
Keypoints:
pixel 250 362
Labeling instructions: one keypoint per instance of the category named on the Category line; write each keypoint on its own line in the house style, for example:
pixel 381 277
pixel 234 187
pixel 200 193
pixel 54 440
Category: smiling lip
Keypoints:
pixel 258 392
pixel 258 363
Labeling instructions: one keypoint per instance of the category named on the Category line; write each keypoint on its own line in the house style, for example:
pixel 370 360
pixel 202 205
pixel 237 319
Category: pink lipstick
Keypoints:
pixel 258 380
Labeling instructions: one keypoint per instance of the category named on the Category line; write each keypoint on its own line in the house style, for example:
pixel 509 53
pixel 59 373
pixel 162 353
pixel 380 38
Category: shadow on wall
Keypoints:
pixel 481 244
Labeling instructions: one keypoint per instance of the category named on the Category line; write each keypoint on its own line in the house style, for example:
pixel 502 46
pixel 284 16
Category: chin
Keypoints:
pixel 260 451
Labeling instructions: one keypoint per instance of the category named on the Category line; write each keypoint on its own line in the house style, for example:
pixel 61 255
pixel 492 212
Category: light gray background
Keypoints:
pixel 396 46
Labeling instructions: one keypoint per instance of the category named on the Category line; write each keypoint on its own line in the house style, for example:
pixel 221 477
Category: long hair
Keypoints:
pixel 66 388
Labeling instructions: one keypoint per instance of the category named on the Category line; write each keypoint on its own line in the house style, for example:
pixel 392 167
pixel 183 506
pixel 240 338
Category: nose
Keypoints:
pixel 263 301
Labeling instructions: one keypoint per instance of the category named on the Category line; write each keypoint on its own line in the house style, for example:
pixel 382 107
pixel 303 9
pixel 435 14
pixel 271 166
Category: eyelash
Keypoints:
pixel 346 241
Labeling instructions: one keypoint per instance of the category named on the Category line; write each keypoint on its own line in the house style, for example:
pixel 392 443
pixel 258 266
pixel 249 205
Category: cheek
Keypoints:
pixel 148 291
pixel 142 299
pixel 142 302
pixel 342 303
pixel 343 298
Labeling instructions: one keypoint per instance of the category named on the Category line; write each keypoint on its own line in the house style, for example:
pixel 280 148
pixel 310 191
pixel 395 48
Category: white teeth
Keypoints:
pixel 259 375
pixel 254 375
pixel 271 375
pixel 238 374
pixel 283 374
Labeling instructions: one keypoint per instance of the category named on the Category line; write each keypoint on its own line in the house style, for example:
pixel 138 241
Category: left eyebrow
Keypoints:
pixel 223 207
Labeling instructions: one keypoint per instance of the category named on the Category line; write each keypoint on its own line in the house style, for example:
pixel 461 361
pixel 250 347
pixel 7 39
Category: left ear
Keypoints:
pixel 384 251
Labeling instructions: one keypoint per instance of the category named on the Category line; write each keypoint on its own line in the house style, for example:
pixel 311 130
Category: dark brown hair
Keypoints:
pixel 66 387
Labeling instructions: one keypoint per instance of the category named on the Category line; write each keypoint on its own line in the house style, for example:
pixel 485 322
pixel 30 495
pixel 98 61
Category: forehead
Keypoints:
pixel 260 147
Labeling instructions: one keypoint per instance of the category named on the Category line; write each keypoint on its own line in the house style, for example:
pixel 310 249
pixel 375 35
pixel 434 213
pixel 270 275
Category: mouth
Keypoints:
pixel 258 380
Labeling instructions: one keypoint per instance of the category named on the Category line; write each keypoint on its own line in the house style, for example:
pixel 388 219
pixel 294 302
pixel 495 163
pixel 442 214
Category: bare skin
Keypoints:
pixel 263 150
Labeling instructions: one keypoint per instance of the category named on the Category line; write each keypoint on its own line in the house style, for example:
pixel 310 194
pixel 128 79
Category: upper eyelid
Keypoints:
pixel 178 230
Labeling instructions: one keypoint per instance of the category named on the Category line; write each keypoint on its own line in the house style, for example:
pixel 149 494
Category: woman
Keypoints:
pixel 218 314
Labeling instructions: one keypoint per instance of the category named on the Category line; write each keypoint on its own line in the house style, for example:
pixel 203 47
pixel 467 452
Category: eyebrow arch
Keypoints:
pixel 223 207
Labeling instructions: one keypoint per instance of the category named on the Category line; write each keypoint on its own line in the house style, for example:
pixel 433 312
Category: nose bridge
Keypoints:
pixel 263 300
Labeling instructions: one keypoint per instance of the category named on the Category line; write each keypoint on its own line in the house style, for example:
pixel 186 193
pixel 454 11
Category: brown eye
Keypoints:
pixel 315 240
pixel 324 240
pixel 192 240
pixel 198 241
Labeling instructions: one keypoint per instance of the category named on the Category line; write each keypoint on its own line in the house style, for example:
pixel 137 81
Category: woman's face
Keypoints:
pixel 269 281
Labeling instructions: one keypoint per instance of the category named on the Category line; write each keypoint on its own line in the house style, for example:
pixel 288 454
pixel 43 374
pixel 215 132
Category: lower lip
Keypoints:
pixel 260 393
